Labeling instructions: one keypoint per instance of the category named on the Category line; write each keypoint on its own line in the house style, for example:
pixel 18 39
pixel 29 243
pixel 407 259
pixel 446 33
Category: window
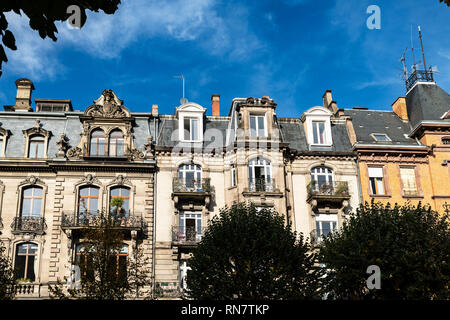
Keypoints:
pixel 36 147
pixel 191 176
pixel 325 224
pixel 116 145
pixel 1 145
pixel 233 175
pixel 97 143
pixel 408 176
pixel 119 262
pixel 84 261
pixel 88 201
pixel 257 126
pixel 446 140
pixel 376 181
pixel 123 193
pixel 319 136
pixel 191 129
pixel 260 175
pixel 31 206
pixel 190 226
pixel 380 137
pixel 321 177
pixel 26 261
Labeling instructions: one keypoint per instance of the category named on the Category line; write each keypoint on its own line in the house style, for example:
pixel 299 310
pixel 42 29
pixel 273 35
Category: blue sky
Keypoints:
pixel 291 50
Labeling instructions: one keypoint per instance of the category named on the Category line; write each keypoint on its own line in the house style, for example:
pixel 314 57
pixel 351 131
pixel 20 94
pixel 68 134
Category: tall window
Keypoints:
pixel 191 129
pixel 116 145
pixel 83 260
pixel 319 132
pixel 36 147
pixel 376 180
pixel 1 144
pixel 119 261
pixel 408 176
pixel 260 175
pixel 191 226
pixel 257 126
pixel 31 206
pixel 88 200
pixel 322 176
pixel 325 223
pixel 124 193
pixel 98 141
pixel 26 261
pixel 233 175
pixel 191 176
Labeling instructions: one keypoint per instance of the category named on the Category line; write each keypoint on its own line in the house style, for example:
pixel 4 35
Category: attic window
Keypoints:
pixel 380 137
pixel 52 108
pixel 446 140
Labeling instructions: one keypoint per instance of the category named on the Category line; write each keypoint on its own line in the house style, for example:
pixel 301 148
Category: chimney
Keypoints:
pixel 215 99
pixel 155 110
pixel 328 101
pixel 23 97
pixel 399 107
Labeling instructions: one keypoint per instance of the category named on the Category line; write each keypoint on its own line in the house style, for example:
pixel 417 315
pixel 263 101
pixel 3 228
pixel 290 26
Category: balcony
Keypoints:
pixel 31 224
pixel 261 185
pixel 186 236
pixel 81 220
pixel 191 192
pixel 419 75
pixel 335 189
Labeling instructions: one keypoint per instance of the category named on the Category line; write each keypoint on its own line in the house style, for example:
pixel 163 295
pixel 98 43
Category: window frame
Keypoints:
pixel 376 180
pixel 32 197
pixel 113 141
pixel 27 255
pixel 92 138
pixel 374 137
pixel 183 130
pixel 40 142
pixel 255 132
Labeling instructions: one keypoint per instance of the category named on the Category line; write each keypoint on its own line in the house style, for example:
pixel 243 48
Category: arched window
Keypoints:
pixel 321 177
pixel 88 201
pixel 84 261
pixel 260 175
pixel 25 264
pixel 36 147
pixel 98 141
pixel 191 176
pixel 116 145
pixel 123 193
pixel 31 206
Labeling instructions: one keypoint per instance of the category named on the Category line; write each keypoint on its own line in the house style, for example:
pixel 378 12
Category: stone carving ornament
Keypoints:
pixel 107 106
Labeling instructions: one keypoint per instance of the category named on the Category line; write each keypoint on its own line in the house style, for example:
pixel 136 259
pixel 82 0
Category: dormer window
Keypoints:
pixel 36 148
pixel 190 122
pixel 257 126
pixel 318 126
pixel 116 144
pixel 191 129
pixel 380 137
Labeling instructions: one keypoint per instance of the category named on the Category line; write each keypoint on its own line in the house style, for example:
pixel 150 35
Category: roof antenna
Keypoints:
pixel 403 62
pixel 412 48
pixel 182 100
pixel 423 54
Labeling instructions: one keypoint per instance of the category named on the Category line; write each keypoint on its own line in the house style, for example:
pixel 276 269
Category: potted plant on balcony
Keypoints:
pixel 118 212
pixel 23 281
pixel 341 189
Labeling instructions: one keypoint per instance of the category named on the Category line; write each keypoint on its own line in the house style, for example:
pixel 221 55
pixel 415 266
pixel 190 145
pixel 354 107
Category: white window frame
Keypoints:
pixel 373 135
pixel 310 118
pixel 376 176
pixel 199 127
pixel 320 218
pixel 233 175
pixel 257 125
pixel 191 215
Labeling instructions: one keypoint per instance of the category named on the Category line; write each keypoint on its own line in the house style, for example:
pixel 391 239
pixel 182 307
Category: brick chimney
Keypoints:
pixel 328 101
pixel 215 99
pixel 399 107
pixel 23 97
pixel 155 110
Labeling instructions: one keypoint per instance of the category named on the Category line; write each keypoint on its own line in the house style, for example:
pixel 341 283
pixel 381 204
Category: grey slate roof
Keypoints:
pixel 366 122
pixel 426 102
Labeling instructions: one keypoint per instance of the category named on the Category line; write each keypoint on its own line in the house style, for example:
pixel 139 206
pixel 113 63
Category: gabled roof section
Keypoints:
pixel 190 107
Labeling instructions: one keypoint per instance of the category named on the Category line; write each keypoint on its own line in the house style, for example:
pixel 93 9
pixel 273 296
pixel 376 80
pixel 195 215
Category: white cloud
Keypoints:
pixel 218 31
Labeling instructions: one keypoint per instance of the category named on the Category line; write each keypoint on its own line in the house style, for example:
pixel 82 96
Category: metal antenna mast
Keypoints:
pixel 182 100
pixel 423 54
pixel 403 62
pixel 412 48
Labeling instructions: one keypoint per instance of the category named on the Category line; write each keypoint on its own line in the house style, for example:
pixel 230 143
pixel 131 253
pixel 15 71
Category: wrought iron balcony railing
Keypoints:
pixel 261 185
pixel 187 234
pixel 28 225
pixel 93 219
pixel 419 75
pixel 191 185
pixel 335 188
pixel 168 290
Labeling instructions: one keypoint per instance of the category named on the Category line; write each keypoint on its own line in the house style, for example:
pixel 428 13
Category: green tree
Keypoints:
pixel 43 14
pixel 6 276
pixel 410 245
pixel 445 1
pixel 104 274
pixel 245 254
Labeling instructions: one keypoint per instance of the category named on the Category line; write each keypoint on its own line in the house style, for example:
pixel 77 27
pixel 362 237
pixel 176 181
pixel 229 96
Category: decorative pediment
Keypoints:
pixel 31 180
pixel 37 129
pixel 120 180
pixel 107 106
pixel 190 107
pixel 89 179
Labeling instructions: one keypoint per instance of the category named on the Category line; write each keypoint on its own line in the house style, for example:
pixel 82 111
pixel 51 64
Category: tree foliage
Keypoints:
pixel 104 276
pixel 6 276
pixel 410 244
pixel 43 14
pixel 445 1
pixel 246 254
